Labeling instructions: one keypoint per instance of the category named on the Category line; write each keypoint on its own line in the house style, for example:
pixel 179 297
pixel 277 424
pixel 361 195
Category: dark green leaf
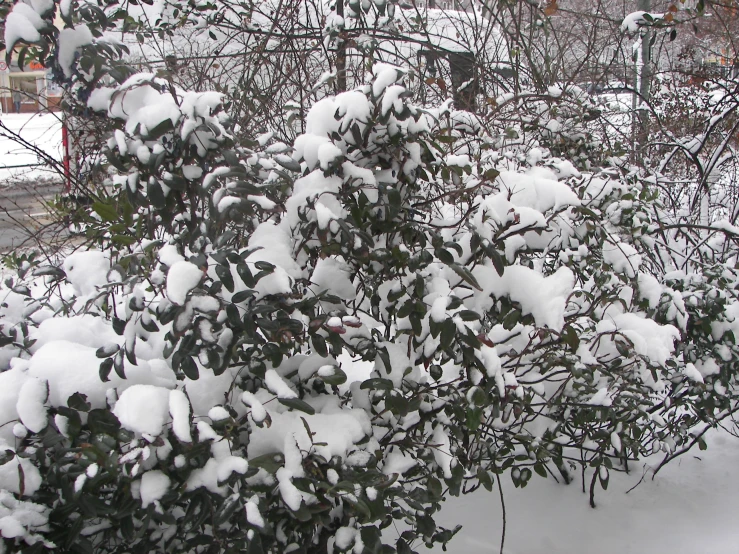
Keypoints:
pixel 105 367
pixel 6 456
pixel 466 275
pixel 319 345
pixel 337 378
pixel 105 211
pixel 269 462
pixel 377 384
pixel 189 368
pixel 297 404
pixel 224 274
pixel 485 479
pixel 118 364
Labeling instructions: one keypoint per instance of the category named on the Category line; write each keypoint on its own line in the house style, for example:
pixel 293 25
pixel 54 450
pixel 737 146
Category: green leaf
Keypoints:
pixel 124 240
pixel 485 479
pixel 445 256
pixel 246 275
pixel 467 315
pixel 397 404
pixel 569 335
pixel 105 367
pixel 337 378
pixel 377 383
pixel 288 163
pixel 497 260
pixel 319 345
pixel 107 350
pixel 603 476
pixel 466 275
pixel 297 404
pixel 189 368
pixel 119 325
pixel 102 421
pixel 6 456
pixel 242 296
pixel 156 195
pixel 491 174
pixel 118 364
pixel 149 325
pixel 224 274
pixel 393 197
pixel 268 462
pixel 255 545
pixel 160 129
pixel 105 211
pixel 448 332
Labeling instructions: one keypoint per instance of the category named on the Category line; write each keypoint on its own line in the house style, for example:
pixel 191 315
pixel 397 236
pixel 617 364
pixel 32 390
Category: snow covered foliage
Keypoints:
pixel 305 347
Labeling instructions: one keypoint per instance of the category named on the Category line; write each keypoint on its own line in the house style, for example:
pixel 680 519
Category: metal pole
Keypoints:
pixel 65 144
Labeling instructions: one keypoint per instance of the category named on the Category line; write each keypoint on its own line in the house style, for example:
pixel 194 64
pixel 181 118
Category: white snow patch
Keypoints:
pixel 182 277
pixel 143 409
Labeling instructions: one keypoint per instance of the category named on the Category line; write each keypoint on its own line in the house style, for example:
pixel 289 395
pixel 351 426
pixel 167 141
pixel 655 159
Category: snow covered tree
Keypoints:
pixel 306 346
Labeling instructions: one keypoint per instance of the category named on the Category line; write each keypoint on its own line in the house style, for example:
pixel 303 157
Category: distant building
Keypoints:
pixel 33 80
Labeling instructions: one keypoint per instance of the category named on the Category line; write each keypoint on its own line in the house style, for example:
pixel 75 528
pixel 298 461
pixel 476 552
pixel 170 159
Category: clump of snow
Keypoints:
pixel 16 469
pixel 332 275
pixel 273 244
pixel 635 20
pixel 154 485
pixel 385 75
pixel 84 329
pixel 70 368
pixel 23 520
pixel 398 462
pixel 335 433
pixel 291 495
pixel 23 23
pixel 650 339
pixel 179 409
pixel 70 41
pixel 344 537
pixel 441 447
pixel 143 409
pixel 623 257
pixel 252 514
pixel 543 297
pixel 215 472
pixel 182 277
pixel 258 413
pixel 277 385
pixel 87 271
pixel 30 405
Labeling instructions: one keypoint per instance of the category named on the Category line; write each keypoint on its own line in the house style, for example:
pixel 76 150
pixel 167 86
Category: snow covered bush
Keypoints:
pixel 305 347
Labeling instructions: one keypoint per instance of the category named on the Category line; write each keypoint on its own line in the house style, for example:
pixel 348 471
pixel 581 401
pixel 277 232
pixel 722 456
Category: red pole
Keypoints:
pixel 65 144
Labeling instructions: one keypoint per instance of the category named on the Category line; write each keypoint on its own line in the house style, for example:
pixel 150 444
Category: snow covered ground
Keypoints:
pixel 43 131
pixel 690 507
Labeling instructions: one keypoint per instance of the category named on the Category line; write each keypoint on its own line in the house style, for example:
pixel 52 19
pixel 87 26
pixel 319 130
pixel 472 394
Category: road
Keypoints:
pixel 24 217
